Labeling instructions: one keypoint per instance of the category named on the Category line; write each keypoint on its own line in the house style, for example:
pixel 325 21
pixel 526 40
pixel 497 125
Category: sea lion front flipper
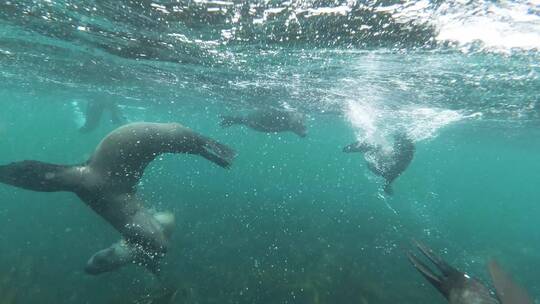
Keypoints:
pixel 507 290
pixel 39 176
pixel 94 111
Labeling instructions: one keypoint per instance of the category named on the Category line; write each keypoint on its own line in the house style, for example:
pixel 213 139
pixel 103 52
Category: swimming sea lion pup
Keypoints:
pixel 386 163
pixel 94 111
pixel 270 120
pixel 107 181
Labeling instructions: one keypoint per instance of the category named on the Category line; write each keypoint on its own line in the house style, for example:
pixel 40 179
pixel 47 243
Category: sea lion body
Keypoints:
pixel 387 163
pixel 270 121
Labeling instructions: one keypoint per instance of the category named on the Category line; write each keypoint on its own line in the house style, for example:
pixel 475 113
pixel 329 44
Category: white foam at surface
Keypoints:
pixel 498 26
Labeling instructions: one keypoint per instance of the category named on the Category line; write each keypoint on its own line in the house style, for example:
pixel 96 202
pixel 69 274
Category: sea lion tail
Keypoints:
pixel 37 176
pixel 217 153
pixel 227 121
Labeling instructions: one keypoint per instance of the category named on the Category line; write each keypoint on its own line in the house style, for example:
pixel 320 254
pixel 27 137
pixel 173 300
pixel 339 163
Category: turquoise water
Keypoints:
pixel 294 220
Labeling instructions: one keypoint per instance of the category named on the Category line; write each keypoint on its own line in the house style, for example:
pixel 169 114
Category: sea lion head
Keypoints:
pixel 109 259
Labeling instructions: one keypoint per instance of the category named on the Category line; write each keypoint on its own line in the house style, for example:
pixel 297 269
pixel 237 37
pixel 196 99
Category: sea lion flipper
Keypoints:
pixel 424 270
pixel 94 111
pixel 442 265
pixel 444 281
pixel 218 153
pixel 38 176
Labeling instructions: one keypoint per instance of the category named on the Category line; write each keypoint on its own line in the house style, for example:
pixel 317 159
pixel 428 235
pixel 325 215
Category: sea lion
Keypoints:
pixel 386 163
pixel 94 111
pixel 107 181
pixel 270 121
pixel 456 286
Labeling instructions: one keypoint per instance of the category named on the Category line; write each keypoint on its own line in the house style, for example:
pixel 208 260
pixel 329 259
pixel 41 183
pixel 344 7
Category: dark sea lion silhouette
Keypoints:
pixel 94 112
pixel 388 164
pixel 270 120
pixel 457 287
pixel 107 182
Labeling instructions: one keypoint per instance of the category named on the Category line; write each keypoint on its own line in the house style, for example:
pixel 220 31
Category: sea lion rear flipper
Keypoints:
pixel 507 291
pixel 163 295
pixel 443 282
pixel 444 267
pixel 424 270
pixel 94 111
pixel 116 114
pixel 38 176
pixel 218 153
